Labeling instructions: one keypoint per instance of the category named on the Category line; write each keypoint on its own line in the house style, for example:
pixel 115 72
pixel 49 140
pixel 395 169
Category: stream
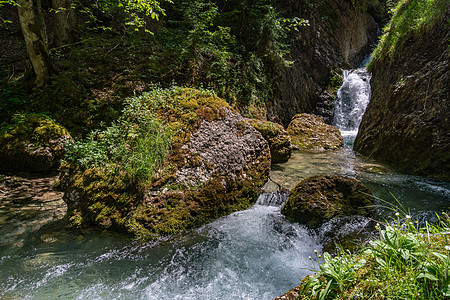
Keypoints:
pixel 251 254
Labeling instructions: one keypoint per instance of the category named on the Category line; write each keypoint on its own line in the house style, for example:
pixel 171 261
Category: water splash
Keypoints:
pixel 352 99
pixel 276 199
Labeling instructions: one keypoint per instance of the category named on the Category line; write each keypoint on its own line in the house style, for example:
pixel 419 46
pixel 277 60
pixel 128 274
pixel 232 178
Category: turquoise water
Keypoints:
pixel 252 254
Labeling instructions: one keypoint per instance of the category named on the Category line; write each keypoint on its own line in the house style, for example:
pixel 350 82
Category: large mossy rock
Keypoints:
pixel 318 199
pixel 218 165
pixel 34 144
pixel 407 121
pixel 309 132
pixel 278 139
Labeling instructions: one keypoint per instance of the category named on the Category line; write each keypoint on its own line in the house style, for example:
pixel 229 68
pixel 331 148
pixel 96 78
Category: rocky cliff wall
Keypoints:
pixel 338 37
pixel 407 121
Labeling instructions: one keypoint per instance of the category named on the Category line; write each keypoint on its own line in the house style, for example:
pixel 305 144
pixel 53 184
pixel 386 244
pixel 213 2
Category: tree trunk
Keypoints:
pixel 32 29
pixel 65 22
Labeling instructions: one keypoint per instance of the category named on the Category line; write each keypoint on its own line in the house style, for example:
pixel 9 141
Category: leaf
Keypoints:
pixel 427 276
pixel 324 292
pixel 380 261
pixel 405 254
pixel 446 291
pixel 441 256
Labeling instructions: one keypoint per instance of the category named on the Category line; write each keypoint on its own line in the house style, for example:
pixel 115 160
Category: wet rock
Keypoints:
pixel 217 166
pixel 318 199
pixel 35 144
pixel 278 139
pixel 309 132
pixel 28 203
pixel 348 233
pixel 406 123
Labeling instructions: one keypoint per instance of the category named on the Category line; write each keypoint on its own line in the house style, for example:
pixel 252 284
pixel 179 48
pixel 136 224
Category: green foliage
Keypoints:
pixel 134 11
pixel 410 18
pixel 137 144
pixel 6 2
pixel 407 261
pixel 235 49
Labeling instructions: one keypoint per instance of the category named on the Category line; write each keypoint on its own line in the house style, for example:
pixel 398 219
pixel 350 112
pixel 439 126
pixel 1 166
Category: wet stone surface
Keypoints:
pixel 27 203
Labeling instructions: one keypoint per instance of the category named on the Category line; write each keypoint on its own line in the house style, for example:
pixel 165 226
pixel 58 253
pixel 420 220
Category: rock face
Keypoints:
pixel 318 199
pixel 278 139
pixel 35 144
pixel 217 166
pixel 406 123
pixel 309 132
pixel 339 36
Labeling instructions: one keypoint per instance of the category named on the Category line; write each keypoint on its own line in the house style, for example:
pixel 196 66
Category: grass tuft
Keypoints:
pixel 410 18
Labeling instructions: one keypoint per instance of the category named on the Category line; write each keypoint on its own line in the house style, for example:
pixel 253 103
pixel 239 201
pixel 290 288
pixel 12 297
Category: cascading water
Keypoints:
pixel 352 99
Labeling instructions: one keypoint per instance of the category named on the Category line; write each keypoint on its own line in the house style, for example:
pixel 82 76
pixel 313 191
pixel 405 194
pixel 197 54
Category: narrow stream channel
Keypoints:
pixel 252 254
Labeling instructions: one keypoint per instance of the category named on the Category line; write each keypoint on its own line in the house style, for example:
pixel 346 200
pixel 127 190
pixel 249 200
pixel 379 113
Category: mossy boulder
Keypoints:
pixel 278 139
pixel 35 143
pixel 217 165
pixel 309 132
pixel 318 199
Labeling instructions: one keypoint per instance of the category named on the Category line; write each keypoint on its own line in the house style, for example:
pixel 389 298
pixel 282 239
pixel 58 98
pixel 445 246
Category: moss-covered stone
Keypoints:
pixel 278 139
pixel 218 165
pixel 35 143
pixel 309 132
pixel 318 199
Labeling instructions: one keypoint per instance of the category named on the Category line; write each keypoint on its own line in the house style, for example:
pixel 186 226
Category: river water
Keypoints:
pixel 252 254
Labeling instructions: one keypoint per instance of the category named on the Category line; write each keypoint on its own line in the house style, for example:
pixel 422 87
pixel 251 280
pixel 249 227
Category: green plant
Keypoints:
pixel 407 261
pixel 137 144
pixel 410 18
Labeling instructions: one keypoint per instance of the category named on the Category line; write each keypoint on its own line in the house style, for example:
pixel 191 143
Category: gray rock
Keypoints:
pixel 407 121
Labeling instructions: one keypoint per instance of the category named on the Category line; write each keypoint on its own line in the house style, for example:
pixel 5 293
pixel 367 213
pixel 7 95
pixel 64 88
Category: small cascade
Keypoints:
pixel 273 199
pixel 352 99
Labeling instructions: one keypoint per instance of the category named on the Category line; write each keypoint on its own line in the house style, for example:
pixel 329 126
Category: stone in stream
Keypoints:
pixel 318 199
pixel 218 165
pixel 278 139
pixel 34 144
pixel 309 132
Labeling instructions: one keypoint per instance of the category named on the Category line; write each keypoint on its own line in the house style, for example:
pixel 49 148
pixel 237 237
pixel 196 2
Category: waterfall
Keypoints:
pixel 352 99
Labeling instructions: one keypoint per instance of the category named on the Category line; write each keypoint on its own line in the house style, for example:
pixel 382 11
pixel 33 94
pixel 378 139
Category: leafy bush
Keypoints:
pixel 137 144
pixel 406 262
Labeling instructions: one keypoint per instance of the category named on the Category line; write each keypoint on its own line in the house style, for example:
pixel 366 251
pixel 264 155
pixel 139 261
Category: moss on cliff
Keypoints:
pixel 411 18
pixel 406 121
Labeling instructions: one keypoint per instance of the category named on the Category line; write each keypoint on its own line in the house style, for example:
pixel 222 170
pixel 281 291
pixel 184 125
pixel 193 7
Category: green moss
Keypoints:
pixel 310 132
pixel 278 139
pixel 102 195
pixel 35 128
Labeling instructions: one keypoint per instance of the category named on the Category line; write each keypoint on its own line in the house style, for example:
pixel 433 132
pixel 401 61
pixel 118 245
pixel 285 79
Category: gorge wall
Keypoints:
pixel 406 124
pixel 338 37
